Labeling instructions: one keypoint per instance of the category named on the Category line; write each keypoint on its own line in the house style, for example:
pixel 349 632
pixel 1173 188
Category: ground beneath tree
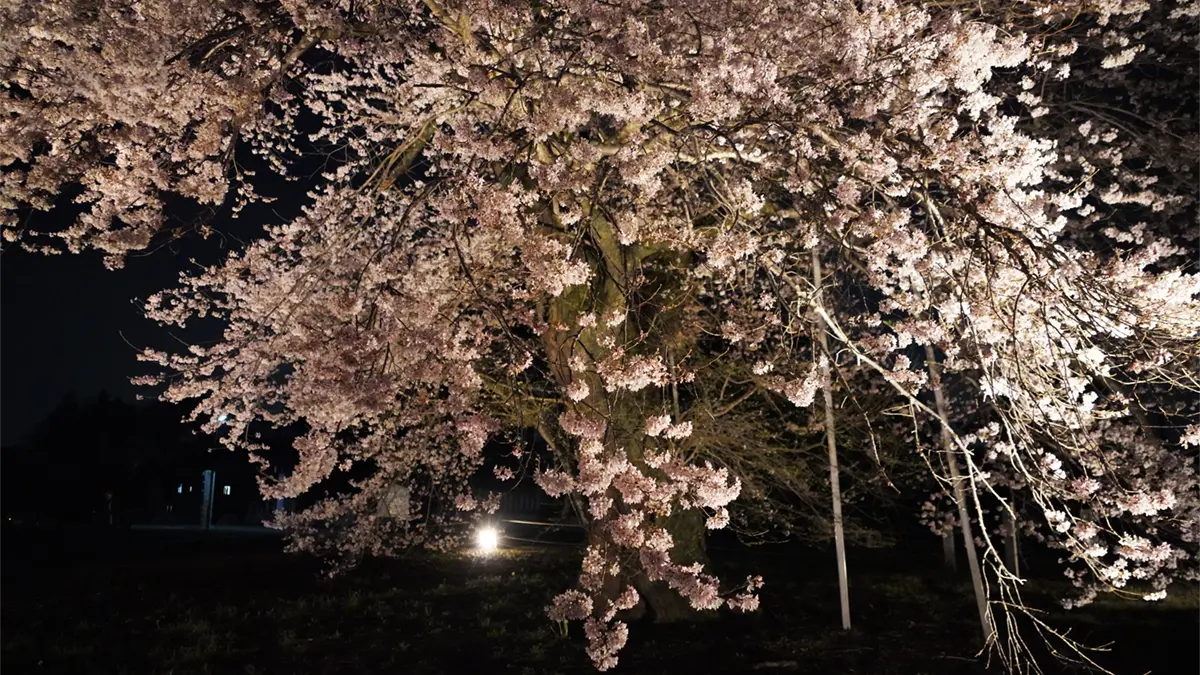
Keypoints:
pixel 185 603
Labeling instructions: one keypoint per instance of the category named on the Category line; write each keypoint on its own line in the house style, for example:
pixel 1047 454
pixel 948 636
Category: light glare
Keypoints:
pixel 487 539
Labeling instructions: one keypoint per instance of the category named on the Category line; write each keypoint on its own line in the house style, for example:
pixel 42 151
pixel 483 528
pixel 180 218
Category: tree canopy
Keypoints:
pixel 631 226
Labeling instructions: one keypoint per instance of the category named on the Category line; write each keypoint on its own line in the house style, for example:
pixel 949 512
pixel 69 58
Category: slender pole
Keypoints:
pixel 948 554
pixel 964 514
pixel 206 505
pixel 831 438
pixel 1011 553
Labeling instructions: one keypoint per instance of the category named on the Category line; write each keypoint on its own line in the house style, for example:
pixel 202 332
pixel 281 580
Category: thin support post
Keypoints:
pixel 960 495
pixel 839 538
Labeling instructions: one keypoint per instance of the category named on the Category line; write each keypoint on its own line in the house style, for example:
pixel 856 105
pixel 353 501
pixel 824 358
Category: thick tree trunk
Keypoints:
pixel 960 496
pixel 665 604
pixel 624 413
pixel 835 489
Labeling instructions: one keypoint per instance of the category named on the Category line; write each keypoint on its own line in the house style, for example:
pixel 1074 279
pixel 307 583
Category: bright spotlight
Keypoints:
pixel 487 539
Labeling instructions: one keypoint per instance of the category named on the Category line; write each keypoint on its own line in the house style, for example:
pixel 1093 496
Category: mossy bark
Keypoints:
pixel 624 411
pixel 665 604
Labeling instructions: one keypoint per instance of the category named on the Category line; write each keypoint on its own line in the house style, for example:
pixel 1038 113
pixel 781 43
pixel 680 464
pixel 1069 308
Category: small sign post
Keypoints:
pixel 206 507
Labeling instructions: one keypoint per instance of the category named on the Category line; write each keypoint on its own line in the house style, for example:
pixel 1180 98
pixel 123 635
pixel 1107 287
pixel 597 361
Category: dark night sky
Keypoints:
pixel 61 324
pixel 67 323
pixel 62 317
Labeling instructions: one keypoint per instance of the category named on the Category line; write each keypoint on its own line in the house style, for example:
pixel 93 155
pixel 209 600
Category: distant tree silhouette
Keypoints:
pixel 86 449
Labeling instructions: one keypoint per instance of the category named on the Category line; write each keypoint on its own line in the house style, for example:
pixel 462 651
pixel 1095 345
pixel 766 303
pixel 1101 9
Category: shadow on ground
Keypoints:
pixel 230 602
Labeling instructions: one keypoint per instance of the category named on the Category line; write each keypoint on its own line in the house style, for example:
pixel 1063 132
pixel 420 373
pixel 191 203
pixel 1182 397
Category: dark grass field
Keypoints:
pixel 154 602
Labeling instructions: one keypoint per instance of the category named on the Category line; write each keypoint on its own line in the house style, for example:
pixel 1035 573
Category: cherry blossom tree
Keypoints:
pixel 579 216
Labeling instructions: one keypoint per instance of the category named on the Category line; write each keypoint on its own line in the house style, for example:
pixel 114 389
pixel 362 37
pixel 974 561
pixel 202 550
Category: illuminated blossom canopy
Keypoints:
pixel 596 219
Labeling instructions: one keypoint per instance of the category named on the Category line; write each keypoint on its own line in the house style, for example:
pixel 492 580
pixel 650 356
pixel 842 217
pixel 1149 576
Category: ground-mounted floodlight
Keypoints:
pixel 487 539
